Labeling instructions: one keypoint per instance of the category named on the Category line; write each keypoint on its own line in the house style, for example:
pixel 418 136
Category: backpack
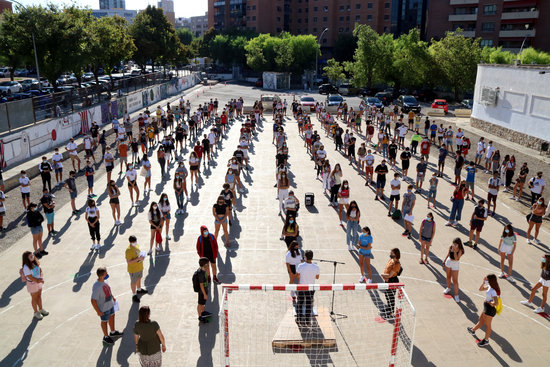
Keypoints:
pixel 196 282
pixel 499 306
pixel 396 215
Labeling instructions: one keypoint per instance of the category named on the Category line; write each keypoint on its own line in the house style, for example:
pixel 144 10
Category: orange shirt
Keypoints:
pixel 123 150
pixel 392 268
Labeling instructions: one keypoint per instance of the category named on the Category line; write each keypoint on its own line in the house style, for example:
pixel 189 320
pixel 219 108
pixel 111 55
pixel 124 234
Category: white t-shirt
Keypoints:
pixel 480 147
pixel 403 131
pixel 395 182
pixel 493 182
pixel 92 212
pixel 131 174
pixel 25 181
pixel 293 260
pixel 538 184
pixel 308 272
pixel 369 158
pixel 71 147
pixel 87 143
pixel 110 157
pixel 321 154
pixel 490 150
pixel 490 294
pixel 57 158
pixel 35 272
pixel 212 138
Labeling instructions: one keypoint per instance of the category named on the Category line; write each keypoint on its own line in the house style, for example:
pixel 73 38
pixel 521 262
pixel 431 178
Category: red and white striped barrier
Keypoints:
pixel 312 287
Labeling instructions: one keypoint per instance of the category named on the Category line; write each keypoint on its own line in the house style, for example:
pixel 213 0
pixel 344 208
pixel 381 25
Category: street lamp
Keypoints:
pixel 518 61
pixel 317 55
pixel 34 47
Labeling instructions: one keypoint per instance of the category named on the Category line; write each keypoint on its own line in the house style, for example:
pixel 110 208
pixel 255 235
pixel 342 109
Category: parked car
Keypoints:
pixel 87 76
pixel 307 102
pixel 467 103
pixel 10 87
pixel 348 89
pixel 135 72
pixel 368 91
pixel 408 103
pixel 334 100
pixel 425 95
pixel 441 104
pixel 21 72
pixel 327 89
pixel 5 72
pixel 373 102
pixel 28 84
pixel 384 97
pixel 44 82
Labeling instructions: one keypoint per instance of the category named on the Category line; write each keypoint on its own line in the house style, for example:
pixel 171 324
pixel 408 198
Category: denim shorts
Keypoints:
pixel 49 217
pixel 36 230
pixel 73 194
pixel 432 193
pixel 107 314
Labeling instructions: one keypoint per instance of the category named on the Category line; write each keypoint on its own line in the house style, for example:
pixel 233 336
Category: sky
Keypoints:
pixel 183 8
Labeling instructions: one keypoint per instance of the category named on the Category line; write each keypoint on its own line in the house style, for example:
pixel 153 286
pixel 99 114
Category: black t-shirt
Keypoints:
pixel 94 131
pixel 351 145
pixel 239 155
pixel 381 171
pixel 134 145
pixel 45 167
pixel 220 208
pixel 523 172
pixel 71 183
pixel 480 212
pixel 280 157
pixel 206 143
pixel 46 199
pixel 405 156
pixel 227 195
pixel 179 131
pixel 392 149
pixel 459 162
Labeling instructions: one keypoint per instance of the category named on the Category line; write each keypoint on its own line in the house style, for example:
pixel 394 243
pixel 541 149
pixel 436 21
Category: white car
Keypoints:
pixel 10 87
pixel 21 72
pixel 4 72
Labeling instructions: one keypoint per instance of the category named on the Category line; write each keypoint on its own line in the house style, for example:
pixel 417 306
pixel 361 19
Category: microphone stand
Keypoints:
pixel 333 315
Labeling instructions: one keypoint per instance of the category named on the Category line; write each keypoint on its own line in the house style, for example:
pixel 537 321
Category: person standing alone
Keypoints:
pixel 134 259
pixel 307 273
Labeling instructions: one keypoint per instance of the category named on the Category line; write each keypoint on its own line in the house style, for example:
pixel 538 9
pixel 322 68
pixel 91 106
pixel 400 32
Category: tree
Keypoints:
pixel 411 60
pixel 492 55
pixel 154 36
pixel 228 50
pixel 110 43
pixel 207 38
pixel 334 71
pixel 13 48
pixel 185 35
pixel 532 56
pixel 344 47
pixel 457 58
pixel 304 49
pixel 367 55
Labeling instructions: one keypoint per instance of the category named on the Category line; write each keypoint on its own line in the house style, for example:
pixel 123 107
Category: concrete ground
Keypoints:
pixel 70 335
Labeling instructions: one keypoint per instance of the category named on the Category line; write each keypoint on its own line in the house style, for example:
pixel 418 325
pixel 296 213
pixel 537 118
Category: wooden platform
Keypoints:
pixel 319 333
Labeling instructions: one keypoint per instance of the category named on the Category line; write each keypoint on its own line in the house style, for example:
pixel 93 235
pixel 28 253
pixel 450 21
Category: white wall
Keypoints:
pixel 523 102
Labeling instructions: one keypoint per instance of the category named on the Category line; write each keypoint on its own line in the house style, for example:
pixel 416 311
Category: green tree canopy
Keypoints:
pixel 334 71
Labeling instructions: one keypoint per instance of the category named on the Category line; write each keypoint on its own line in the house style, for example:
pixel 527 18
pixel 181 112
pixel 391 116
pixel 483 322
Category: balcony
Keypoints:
pixel 463 2
pixel 468 34
pixel 521 15
pixel 462 17
pixel 518 33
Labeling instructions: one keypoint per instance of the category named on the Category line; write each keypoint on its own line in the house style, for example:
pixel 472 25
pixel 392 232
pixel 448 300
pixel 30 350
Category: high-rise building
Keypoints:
pixel 408 14
pixel 199 24
pixel 506 23
pixel 112 4
pixel 167 7
pixel 127 14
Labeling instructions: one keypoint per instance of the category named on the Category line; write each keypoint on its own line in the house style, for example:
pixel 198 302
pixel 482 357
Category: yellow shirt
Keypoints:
pixel 132 252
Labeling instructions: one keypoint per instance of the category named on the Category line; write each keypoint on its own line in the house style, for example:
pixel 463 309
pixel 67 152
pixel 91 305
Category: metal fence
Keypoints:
pixel 27 111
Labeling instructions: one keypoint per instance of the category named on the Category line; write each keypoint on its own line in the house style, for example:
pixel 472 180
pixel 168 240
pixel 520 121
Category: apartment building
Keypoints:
pixel 313 16
pixel 505 23
pixel 198 24
pixel 5 5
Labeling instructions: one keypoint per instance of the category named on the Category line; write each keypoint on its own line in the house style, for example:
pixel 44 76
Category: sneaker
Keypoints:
pixel 537 241
pixel 149 252
pixel 457 299
pixel 527 303
pixel 216 280
pixel 43 252
pixel 142 291
pixel 43 312
pixel 168 237
pixel 511 279
pixel 108 340
pixel 502 275
pixel 449 224
pixel 157 248
pixel 474 246
pixel 350 248
pixel 369 281
pixel 38 255
pixel 362 279
pixel 471 330
pixel 38 315
pixel 135 298
pixel 483 343
pixel 468 243
pixel 97 246
pixel 406 233
pixel 516 199
pixel 528 241
pixel 116 333
pixel 447 291
pixel 538 310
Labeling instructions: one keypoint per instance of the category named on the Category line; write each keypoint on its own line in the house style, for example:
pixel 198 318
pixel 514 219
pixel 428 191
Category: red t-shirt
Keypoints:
pixel 198 149
pixel 425 147
pixel 223 119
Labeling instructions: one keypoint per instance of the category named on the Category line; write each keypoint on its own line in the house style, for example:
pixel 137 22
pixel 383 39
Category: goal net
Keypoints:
pixel 316 325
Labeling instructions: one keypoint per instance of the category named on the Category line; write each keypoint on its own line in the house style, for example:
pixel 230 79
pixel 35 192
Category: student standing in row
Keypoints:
pixel 544 283
pixel 150 342
pixel 57 161
pixel 114 201
pixel 70 184
pixel 45 169
pixel 49 205
pixel 293 258
pixel 134 261
pixel 34 221
pixel 34 280
pixel 92 217
pixel 427 234
pixel 364 245
pixel 506 249
pixel 103 303
pixel 452 266
pixel 490 285
pixel 25 187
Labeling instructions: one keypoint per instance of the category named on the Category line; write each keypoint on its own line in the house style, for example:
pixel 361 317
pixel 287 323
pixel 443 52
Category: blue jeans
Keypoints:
pixel 456 210
pixel 352 233
pixel 179 199
pixel 384 150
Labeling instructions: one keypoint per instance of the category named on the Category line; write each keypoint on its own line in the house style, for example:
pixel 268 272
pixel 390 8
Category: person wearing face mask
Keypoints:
pixel 34 221
pixel 103 302
pixel 72 148
pixel 164 206
pixel 543 282
pixel 92 217
pixel 390 275
pixel 134 259
pixel 364 244
pixel 407 206
pixel 221 213
pixel 535 219
pixel 48 204
pixel 452 264
pixel 479 216
pixel 506 249
pixel 207 246
pixel 109 163
pixel 114 201
pixel 25 187
pixel 131 176
pixel 490 285
pixel 89 172
pixel 291 230
pixel 343 199
pixel 150 342
pixel 293 258
pixel 520 182
pixel 180 189
pixel 353 215
pixel 536 184
pixel 161 158
pixel 146 172
pixel 427 234
pixel 381 172
pixel 45 169
pixel 156 221
pixel 282 190
pixel 230 180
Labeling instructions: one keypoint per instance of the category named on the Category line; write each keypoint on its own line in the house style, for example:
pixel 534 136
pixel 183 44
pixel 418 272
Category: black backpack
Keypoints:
pixel 196 282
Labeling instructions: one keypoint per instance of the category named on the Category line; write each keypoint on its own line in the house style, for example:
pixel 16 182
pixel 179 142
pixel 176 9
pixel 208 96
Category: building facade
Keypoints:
pixel 199 24
pixel 129 15
pixel 167 7
pixel 313 16
pixel 499 23
pixel 5 5
pixel 112 4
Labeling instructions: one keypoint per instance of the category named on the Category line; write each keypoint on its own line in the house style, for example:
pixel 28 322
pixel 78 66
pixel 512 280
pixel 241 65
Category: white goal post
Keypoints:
pixel 343 325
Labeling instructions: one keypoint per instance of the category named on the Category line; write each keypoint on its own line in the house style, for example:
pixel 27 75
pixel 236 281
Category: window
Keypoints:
pixel 325 9
pixel 300 10
pixel 341 29
pixel 347 18
pixel 488 27
pixel 386 17
pixel 342 7
pixel 357 18
pixel 253 7
pixel 325 19
pixel 488 43
pixel 385 29
pixel 347 29
pixel 314 30
pixel 341 19
pixel 369 17
pixel 314 19
pixel 248 7
pixel 348 8
pixel 369 5
pixel 324 40
pixel 357 6
pixel 247 18
pixel 490 9
pixel 278 19
pixel 254 17
pixel 299 20
pixel 387 5
pixel 315 8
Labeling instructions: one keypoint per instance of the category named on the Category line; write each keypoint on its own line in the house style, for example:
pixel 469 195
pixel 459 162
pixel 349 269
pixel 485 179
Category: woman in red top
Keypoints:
pixel 343 199
pixel 207 246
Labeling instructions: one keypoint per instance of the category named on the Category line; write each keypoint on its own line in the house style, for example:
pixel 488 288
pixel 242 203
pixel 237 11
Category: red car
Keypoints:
pixel 307 102
pixel 441 104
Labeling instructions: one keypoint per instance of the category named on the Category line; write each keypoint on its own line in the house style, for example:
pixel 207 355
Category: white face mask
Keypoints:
pixel 155 207
pixel 132 244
